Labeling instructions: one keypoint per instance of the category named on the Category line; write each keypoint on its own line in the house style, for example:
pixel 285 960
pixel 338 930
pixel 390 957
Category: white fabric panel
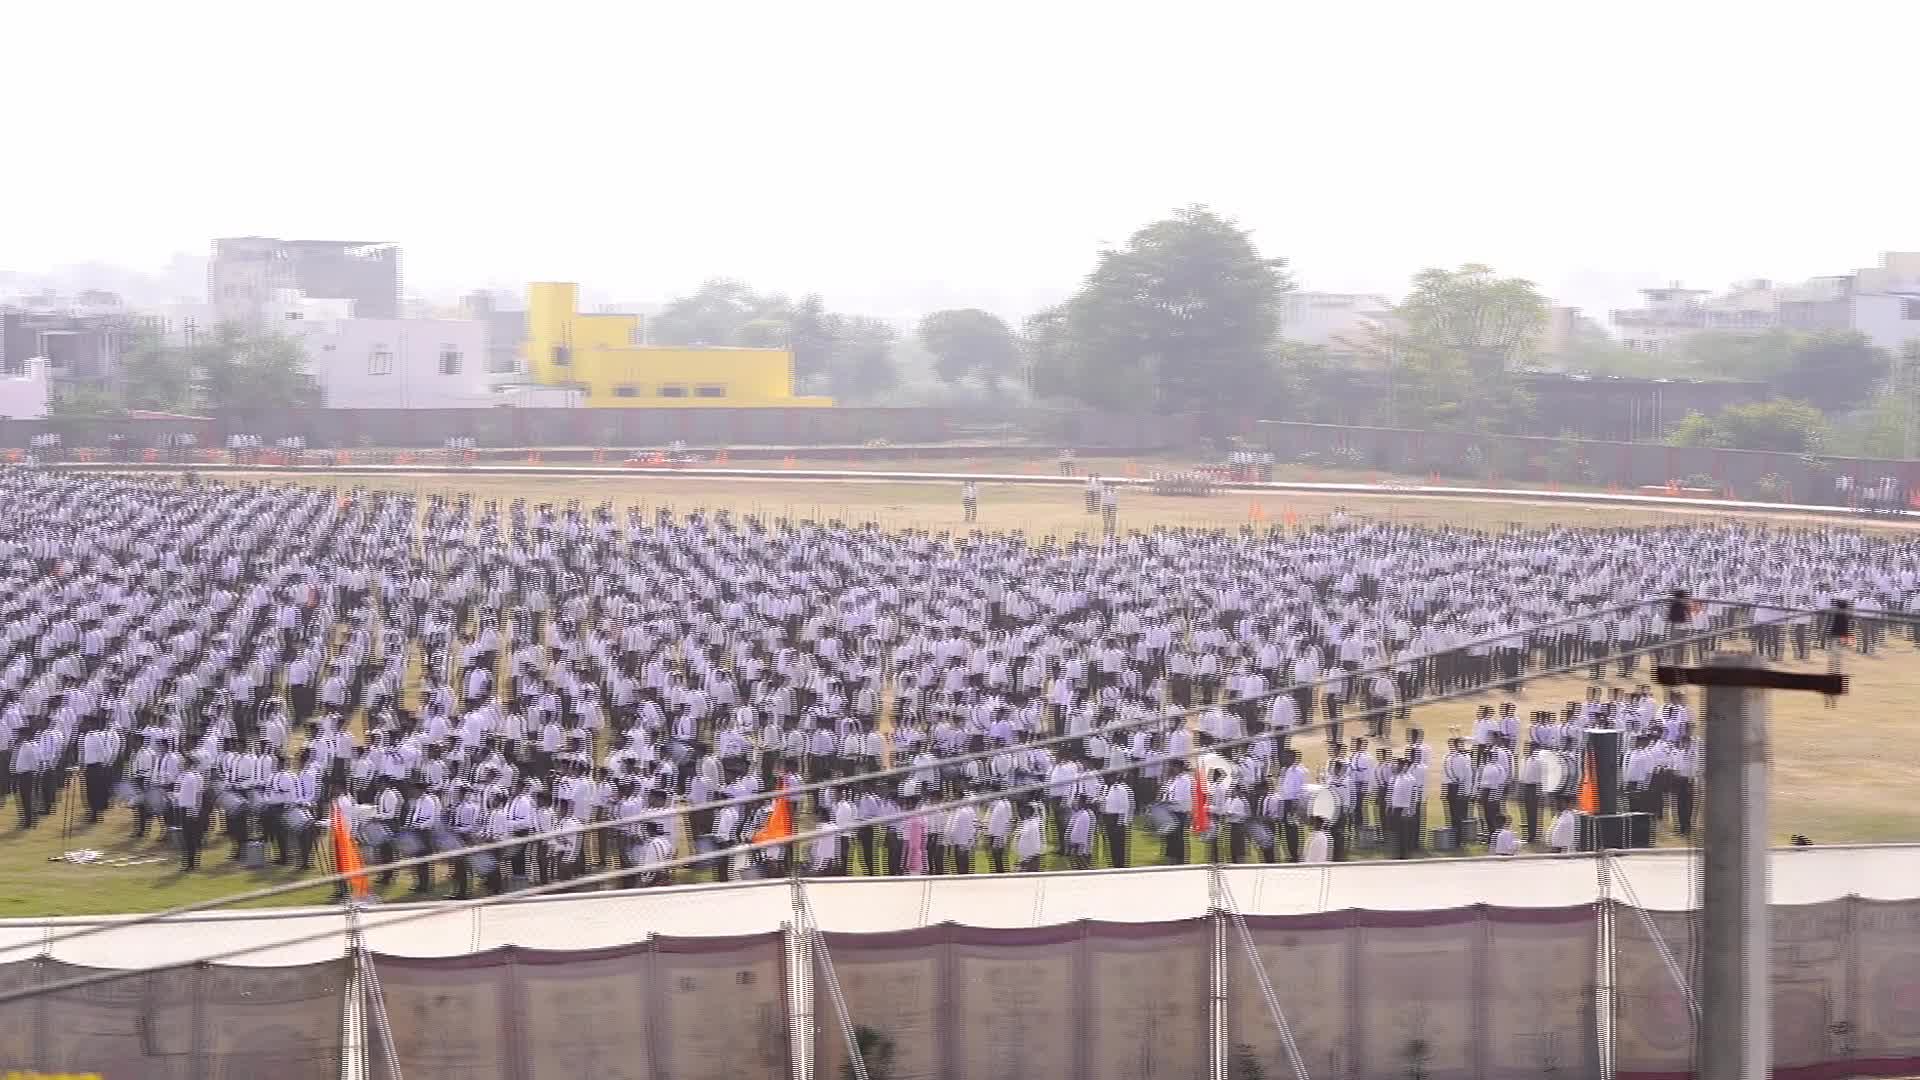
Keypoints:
pixel 210 935
pixel 1120 896
pixel 1518 881
pixel 1659 880
pixel 867 905
pixel 988 900
pixel 595 920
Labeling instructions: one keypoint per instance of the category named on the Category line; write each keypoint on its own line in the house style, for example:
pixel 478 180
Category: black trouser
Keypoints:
pixel 1119 843
pixel 867 849
pixel 1175 853
pixel 1339 829
pixel 1290 836
pixel 423 872
pixel 193 832
pixel 997 854
pixel 99 785
pixel 962 859
pixel 1530 811
pixel 1490 804
pixel 1400 823
pixel 239 828
pixel 1456 801
pixel 1683 804
pixel 26 789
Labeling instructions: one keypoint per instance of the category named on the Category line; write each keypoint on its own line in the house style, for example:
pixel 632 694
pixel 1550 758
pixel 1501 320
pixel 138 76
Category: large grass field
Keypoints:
pixel 1842 774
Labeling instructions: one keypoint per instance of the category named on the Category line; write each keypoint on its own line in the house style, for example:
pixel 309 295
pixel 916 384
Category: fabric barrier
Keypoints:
pixel 1481 991
pixel 1088 1000
pixel 699 1008
pixel 191 1023
pixel 1493 992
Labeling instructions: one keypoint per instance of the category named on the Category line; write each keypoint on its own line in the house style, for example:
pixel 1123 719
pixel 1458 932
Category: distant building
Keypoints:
pixel 25 391
pixel 289 312
pixel 400 363
pixel 1878 302
pixel 506 331
pixel 1341 322
pixel 601 356
pixel 248 273
pixel 81 343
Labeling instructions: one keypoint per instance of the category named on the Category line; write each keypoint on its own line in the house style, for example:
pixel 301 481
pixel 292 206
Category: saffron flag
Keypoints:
pixel 346 857
pixel 1589 787
pixel 779 824
pixel 1202 820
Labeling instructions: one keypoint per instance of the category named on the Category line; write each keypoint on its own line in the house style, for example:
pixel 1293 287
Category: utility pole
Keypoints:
pixel 1736 1035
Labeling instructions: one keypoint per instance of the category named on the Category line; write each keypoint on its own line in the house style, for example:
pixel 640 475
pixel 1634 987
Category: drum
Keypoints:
pixel 407 846
pixel 1553 772
pixel 445 840
pixel 125 792
pixel 1160 819
pixel 297 818
pixel 375 833
pixel 155 800
pixel 482 863
pixel 1260 833
pixel 230 801
pixel 1323 804
pixel 706 845
pixel 1210 763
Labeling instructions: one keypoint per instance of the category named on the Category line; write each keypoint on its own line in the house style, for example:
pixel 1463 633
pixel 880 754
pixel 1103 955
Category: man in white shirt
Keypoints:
pixel 190 809
pixel 1117 820
pixel 1563 834
pixel 1319 843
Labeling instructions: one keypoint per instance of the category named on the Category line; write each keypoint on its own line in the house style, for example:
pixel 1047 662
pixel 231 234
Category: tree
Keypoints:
pixel 1046 353
pixel 1458 337
pixel 1789 426
pixel 715 314
pixel 236 369
pixel 876 1054
pixel 1181 318
pixel 1833 371
pixel 968 342
pixel 1752 357
pixel 810 336
pixel 155 375
pixel 1888 425
pixel 861 365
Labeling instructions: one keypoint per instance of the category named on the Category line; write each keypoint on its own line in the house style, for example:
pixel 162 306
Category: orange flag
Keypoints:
pixel 1202 820
pixel 779 824
pixel 346 857
pixel 1589 788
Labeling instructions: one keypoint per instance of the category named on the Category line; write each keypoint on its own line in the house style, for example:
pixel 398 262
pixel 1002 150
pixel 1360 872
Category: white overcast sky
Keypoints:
pixel 904 156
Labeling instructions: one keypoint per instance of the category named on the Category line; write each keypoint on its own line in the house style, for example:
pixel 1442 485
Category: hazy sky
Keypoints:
pixel 909 155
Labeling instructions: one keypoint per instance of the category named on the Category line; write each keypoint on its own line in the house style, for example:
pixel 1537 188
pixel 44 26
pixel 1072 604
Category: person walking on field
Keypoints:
pixel 970 500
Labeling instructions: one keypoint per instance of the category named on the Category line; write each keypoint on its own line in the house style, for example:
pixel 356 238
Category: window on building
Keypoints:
pixel 449 360
pixel 709 391
pixel 380 361
pixel 1910 310
pixel 628 390
pixel 562 355
pixel 672 391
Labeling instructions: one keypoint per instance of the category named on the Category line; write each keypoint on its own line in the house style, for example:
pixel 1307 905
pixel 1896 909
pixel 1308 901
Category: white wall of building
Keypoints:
pixel 1336 320
pixel 24 396
pixel 1889 320
pixel 400 363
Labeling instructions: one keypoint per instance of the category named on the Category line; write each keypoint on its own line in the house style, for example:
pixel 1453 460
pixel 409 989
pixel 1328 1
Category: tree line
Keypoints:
pixel 1186 317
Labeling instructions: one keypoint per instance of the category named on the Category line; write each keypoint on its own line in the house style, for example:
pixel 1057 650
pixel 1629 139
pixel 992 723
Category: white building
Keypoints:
pixel 1342 322
pixel 24 391
pixel 400 363
pixel 1882 303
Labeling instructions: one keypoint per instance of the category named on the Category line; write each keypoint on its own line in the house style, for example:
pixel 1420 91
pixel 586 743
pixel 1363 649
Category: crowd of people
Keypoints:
pixel 223 661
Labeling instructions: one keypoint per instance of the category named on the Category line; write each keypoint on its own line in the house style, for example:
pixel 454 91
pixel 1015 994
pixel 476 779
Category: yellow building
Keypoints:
pixel 602 356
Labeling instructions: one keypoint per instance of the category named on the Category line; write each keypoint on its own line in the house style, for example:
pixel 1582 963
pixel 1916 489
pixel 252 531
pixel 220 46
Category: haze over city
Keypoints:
pixel 904 158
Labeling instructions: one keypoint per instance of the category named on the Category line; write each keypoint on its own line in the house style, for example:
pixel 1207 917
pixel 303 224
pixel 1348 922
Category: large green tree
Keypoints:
pixel 1183 317
pixel 1454 344
pixel 238 369
pixel 155 375
pixel 1834 371
pixel 717 313
pixel 970 343
pixel 861 366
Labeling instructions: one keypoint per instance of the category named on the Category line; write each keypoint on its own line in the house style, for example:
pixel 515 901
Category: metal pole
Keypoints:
pixel 1735 1027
